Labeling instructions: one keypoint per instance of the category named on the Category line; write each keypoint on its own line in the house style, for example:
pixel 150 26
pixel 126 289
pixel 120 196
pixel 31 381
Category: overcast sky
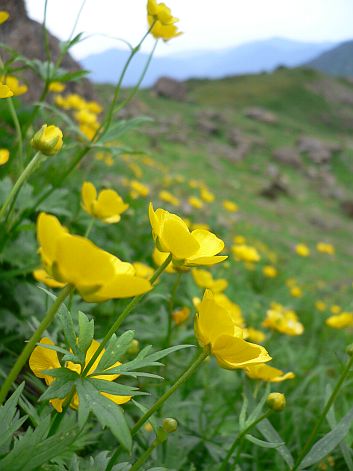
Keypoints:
pixel 207 24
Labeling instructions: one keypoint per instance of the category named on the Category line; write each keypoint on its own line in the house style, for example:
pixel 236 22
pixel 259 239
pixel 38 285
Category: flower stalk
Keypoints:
pixel 26 352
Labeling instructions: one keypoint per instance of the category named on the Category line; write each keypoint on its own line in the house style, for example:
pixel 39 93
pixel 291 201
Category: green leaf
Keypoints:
pixel 9 419
pixel 107 412
pixel 262 443
pixel 329 442
pixel 64 373
pixel 67 325
pixel 58 389
pixel 115 348
pixel 242 415
pixel 115 388
pixel 122 126
pixel 53 347
pixel 86 333
pixel 267 430
pixel 257 411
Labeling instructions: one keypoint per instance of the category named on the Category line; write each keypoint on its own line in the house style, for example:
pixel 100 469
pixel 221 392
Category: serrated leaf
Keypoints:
pixel 107 412
pixel 262 443
pixel 59 389
pixel 9 419
pixel 329 442
pixel 115 388
pixel 86 333
pixel 66 322
pixel 63 373
pixel 115 348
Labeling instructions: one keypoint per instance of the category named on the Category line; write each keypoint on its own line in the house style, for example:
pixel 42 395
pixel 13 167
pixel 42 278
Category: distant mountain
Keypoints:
pixel 336 61
pixel 253 57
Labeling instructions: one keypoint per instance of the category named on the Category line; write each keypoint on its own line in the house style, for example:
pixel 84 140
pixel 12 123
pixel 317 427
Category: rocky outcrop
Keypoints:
pixel 167 87
pixel 261 114
pixel 26 36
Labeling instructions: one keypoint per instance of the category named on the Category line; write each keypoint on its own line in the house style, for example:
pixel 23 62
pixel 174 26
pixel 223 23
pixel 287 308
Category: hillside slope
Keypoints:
pixel 337 61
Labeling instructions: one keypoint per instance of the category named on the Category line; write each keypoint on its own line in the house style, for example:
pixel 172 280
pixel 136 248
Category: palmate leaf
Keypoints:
pixel 10 420
pixel 143 360
pixel 86 333
pixel 115 348
pixel 34 449
pixel 106 411
pixel 329 442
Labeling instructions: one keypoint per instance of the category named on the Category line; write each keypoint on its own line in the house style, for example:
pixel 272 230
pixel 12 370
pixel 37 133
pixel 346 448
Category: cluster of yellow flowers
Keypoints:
pixel 85 112
pixel 283 320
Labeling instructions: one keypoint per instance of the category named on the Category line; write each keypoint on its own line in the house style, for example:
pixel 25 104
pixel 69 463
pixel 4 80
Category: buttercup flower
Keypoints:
pixel 169 198
pixel 160 16
pixel 5 91
pixel 4 16
pixel 14 85
pixel 269 271
pixel 254 335
pixel 296 292
pixel 268 373
pixel 180 315
pixel 188 249
pixel 56 87
pixel 245 253
pixel 320 305
pixel 325 248
pixel 230 206
pixel 138 189
pixel 107 206
pixel 4 156
pixel 204 279
pixel 206 195
pixel 195 202
pixel 335 309
pixel 233 308
pixel 283 320
pixel 215 328
pixel 160 257
pixel 97 275
pixel 48 140
pixel 44 359
pixel 302 250
pixel 340 321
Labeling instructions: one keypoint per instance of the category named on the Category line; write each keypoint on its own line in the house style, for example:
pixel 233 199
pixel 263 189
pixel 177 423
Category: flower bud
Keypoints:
pixel 349 350
pixel 134 347
pixel 276 401
pixel 169 425
pixel 48 140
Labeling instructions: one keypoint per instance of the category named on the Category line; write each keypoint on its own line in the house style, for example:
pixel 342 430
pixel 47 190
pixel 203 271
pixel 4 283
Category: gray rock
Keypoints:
pixel 287 156
pixel 167 87
pixel 261 114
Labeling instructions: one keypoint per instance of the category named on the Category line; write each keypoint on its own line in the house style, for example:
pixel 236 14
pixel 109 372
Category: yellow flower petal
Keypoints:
pixel 41 275
pixel 267 373
pixel 49 230
pixel 4 156
pixel 4 16
pixel 43 359
pixel 121 286
pixel 234 352
pixel 88 196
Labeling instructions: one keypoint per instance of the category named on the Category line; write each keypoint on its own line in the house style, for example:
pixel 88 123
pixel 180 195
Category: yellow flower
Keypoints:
pixel 335 309
pixel 276 401
pixel 97 275
pixel 161 20
pixel 43 359
pixel 198 225
pixel 230 206
pixel 138 189
pixel 302 250
pixel 206 195
pixel 340 321
pixel 233 308
pixel 180 315
pixel 215 328
pixel 320 305
pixel 4 16
pixel 56 87
pixel 86 117
pixel 245 253
pixel 239 240
pixel 296 292
pixel 48 140
pixel 143 270
pixel 169 198
pixel 94 107
pixel 107 207
pixel 325 248
pixel 204 279
pixel 195 202
pixel 283 320
pixel 255 335
pixel 14 85
pixel 188 249
pixel 269 271
pixel 268 373
pixel 160 257
pixel 5 91
pixel 4 156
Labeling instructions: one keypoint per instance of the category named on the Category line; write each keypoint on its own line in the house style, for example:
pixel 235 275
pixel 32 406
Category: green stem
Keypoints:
pixel 157 405
pixel 17 186
pixel 26 352
pixel 144 457
pixel 239 438
pixel 327 407
pixel 18 132
pixel 124 315
pixel 171 305
pixel 89 227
